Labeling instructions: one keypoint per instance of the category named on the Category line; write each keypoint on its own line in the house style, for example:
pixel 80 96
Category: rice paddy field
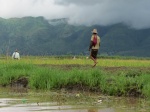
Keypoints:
pixel 127 77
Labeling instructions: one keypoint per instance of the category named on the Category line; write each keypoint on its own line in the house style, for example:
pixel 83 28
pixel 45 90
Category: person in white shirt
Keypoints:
pixel 16 55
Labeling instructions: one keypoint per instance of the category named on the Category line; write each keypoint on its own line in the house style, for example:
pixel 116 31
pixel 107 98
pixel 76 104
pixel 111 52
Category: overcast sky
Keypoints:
pixel 135 13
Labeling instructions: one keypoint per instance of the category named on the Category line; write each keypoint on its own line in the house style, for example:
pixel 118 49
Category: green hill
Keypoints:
pixel 38 36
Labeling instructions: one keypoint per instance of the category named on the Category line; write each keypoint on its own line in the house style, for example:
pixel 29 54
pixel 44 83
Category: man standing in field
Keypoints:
pixel 94 46
pixel 16 55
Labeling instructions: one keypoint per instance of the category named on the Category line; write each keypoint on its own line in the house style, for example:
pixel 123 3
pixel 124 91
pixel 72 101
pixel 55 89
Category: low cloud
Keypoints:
pixel 134 13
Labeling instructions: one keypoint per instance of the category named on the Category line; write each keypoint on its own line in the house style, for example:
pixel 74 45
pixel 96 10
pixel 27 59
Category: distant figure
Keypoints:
pixel 74 57
pixel 94 46
pixel 16 55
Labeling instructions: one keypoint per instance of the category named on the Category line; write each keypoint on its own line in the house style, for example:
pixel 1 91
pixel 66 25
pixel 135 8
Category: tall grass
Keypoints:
pixel 13 70
pixel 124 83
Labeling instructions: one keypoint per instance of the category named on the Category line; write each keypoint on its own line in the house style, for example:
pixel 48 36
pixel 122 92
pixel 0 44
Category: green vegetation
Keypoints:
pixel 38 36
pixel 111 76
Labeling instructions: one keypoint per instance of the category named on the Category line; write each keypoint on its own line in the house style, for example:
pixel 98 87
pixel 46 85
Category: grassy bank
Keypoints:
pixel 53 73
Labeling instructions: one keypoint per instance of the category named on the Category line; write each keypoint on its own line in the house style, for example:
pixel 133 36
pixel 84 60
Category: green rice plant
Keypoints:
pixel 93 79
pixel 12 71
pixel 48 78
pixel 144 82
pixel 122 84
pixel 56 79
pixel 41 79
pixel 113 84
pixel 84 79
pixel 146 90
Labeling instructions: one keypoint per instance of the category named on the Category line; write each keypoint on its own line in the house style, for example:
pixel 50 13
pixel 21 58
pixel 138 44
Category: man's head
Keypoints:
pixel 94 31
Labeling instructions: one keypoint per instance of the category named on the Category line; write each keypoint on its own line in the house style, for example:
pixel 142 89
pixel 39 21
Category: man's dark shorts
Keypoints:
pixel 94 53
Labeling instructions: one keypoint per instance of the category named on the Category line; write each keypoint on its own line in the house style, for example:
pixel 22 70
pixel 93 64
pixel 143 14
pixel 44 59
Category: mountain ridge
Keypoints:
pixel 38 36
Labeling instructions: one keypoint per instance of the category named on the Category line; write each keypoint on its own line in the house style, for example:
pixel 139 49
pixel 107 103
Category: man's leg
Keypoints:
pixel 93 56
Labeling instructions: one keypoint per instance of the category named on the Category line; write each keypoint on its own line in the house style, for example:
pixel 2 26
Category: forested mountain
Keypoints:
pixel 38 36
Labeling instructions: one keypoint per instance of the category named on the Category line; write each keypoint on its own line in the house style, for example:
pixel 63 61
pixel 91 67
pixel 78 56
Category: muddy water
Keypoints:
pixel 69 102
pixel 6 106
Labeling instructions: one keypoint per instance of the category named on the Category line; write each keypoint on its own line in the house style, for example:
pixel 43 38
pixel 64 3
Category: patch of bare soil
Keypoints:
pixel 19 85
pixel 114 69
pixel 107 69
pixel 67 67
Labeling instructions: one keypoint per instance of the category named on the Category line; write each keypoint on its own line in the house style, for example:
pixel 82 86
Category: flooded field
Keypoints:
pixel 69 102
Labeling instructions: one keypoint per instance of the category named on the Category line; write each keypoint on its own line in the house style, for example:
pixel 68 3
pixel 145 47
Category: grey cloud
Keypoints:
pixel 78 2
pixel 135 13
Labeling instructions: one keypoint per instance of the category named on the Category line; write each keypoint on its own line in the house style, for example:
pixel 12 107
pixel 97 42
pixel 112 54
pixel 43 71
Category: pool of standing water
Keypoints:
pixel 48 101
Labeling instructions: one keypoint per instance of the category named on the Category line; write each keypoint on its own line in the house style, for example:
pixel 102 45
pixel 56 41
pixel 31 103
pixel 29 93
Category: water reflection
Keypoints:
pixel 93 110
pixel 102 110
pixel 60 102
pixel 18 105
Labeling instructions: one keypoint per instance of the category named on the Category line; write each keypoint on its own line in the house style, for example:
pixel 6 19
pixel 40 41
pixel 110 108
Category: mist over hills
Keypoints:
pixel 38 36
